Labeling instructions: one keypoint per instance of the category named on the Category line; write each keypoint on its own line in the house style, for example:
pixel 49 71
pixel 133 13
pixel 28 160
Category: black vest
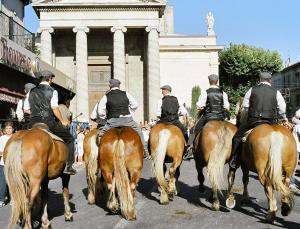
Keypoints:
pixel 214 101
pixel 117 104
pixel 40 102
pixel 169 108
pixel 263 102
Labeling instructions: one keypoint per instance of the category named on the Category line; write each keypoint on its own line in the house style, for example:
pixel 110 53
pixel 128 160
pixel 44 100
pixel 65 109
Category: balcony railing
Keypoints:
pixel 15 32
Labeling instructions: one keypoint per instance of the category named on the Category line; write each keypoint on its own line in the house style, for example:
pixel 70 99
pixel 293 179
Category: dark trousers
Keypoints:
pixel 61 131
pixel 3 185
pixel 177 123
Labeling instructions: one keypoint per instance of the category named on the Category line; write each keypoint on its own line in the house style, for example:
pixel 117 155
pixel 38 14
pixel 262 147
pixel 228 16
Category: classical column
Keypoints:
pixel 153 70
pixel 82 73
pixel 46 44
pixel 119 54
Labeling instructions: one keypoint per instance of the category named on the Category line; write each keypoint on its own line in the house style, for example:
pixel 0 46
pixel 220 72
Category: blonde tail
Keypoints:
pixel 159 158
pixel 274 166
pixel 122 180
pixel 216 161
pixel 17 181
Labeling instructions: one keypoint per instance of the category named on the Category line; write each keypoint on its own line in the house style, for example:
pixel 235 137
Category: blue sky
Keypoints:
pixel 270 24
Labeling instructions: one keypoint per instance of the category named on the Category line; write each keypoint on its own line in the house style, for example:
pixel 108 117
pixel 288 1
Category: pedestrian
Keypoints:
pixel 169 109
pixel 9 129
pixel 213 104
pixel 117 107
pixel 63 106
pixel 42 104
pixel 23 118
pixel 264 105
pixel 79 147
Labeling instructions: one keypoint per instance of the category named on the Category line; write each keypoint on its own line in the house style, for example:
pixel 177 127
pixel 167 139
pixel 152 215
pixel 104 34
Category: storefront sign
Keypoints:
pixel 8 98
pixel 14 57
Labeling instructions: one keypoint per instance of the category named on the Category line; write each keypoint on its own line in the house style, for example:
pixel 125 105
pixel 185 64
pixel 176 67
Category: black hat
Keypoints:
pixel 28 87
pixel 45 75
pixel 114 83
pixel 213 77
pixel 166 87
pixel 265 75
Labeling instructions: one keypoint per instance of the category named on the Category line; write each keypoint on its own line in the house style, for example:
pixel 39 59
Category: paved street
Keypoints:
pixel 191 210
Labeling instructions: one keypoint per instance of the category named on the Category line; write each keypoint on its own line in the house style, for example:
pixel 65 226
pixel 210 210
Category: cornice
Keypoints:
pixel 190 48
pixel 93 9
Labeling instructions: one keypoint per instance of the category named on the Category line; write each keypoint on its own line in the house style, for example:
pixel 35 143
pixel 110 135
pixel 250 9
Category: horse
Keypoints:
pixel 32 158
pixel 213 149
pixel 270 151
pixel 121 156
pixel 166 140
pixel 90 158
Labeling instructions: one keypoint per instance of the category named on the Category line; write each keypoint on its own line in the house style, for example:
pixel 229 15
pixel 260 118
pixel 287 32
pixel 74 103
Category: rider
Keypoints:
pixel 169 109
pixel 117 106
pixel 263 104
pixel 42 104
pixel 214 103
pixel 23 118
pixel 96 117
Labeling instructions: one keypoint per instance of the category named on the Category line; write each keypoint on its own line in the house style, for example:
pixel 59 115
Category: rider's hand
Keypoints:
pixel 65 123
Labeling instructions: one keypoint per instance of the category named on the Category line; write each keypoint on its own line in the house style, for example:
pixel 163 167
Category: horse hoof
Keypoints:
pixel 201 189
pixel 285 209
pixel 69 219
pixel 230 202
pixel 215 207
pixel 271 217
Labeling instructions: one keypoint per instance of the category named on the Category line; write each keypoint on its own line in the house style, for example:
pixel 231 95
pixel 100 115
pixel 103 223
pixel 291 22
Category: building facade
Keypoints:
pixel 93 41
pixel 288 82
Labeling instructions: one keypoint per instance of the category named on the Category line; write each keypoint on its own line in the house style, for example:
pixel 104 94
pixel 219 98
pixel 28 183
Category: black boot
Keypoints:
pixel 233 163
pixel 69 168
pixel 189 153
pixel 69 164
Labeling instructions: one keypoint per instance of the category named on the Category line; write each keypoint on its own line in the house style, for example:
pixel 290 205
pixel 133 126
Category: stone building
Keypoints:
pixel 93 41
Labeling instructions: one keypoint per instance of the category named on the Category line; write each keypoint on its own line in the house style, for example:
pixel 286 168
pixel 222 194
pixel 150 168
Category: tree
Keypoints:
pixel 196 91
pixel 240 64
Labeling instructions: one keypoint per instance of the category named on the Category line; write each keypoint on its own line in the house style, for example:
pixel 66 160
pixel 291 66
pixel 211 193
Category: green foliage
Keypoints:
pixel 196 91
pixel 234 95
pixel 240 64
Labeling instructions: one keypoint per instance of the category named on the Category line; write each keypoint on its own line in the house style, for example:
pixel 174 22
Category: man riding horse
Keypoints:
pixel 213 103
pixel 42 104
pixel 116 106
pixel 263 104
pixel 169 109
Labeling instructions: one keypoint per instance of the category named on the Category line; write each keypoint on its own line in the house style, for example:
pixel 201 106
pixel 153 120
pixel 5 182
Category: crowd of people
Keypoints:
pixel 116 107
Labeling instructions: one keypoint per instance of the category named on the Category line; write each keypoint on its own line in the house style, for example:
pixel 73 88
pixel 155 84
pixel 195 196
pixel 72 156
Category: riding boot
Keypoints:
pixel 234 162
pixel 70 160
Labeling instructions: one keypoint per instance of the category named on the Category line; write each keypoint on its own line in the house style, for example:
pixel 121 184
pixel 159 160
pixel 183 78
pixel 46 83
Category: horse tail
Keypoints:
pixel 159 158
pixel 18 182
pixel 92 165
pixel 122 179
pixel 216 161
pixel 273 170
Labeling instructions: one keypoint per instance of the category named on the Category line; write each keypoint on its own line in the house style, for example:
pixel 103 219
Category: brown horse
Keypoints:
pixel 270 151
pixel 32 158
pixel 121 155
pixel 166 140
pixel 213 149
pixel 90 157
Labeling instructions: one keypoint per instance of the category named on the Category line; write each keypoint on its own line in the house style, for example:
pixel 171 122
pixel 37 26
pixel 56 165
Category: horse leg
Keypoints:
pixel 44 196
pixel 201 178
pixel 245 199
pixel 134 179
pixel 230 201
pixel 287 201
pixel 270 193
pixel 172 183
pixel 112 202
pixel 65 182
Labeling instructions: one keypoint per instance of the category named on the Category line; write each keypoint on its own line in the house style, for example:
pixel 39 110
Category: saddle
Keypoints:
pixel 45 128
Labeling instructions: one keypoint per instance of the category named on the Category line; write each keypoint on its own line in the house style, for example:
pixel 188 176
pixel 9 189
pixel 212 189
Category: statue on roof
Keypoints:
pixel 210 24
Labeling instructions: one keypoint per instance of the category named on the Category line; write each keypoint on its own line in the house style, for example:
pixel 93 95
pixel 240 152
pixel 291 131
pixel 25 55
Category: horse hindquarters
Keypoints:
pixel 121 181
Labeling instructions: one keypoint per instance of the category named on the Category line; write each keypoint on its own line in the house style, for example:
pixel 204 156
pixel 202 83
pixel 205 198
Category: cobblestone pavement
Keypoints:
pixel 190 210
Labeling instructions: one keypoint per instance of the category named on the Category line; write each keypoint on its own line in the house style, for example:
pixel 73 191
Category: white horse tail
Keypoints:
pixel 216 161
pixel 274 167
pixel 159 158
pixel 92 168
pixel 17 181
pixel 122 180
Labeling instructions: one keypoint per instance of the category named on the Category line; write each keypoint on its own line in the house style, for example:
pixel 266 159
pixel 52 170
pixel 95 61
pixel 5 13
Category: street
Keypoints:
pixel 190 210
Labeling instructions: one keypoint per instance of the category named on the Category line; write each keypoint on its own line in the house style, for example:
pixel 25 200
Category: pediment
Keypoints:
pixel 99 2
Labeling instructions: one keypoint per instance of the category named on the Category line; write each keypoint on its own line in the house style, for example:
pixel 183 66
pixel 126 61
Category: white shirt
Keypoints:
pixel 19 110
pixel 181 110
pixel 54 99
pixel 133 105
pixel 93 115
pixel 3 141
pixel 280 101
pixel 203 97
